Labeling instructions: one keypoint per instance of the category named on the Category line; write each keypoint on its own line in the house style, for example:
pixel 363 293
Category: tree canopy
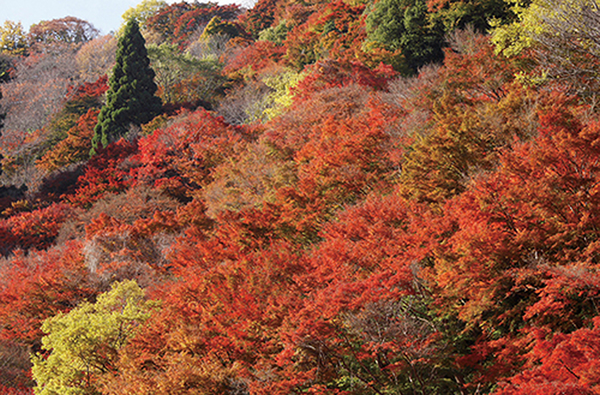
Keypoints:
pixel 83 344
pixel 336 197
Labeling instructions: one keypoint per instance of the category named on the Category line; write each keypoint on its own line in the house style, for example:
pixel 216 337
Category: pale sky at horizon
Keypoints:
pixel 105 15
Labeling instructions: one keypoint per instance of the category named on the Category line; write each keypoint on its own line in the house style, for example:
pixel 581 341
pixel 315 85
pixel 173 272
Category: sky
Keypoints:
pixel 105 15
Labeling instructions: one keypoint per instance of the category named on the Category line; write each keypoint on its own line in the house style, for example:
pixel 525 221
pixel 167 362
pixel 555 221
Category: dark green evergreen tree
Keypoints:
pixel 130 99
pixel 2 115
pixel 6 63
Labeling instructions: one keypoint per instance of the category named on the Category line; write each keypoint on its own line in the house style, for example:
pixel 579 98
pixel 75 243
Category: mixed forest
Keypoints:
pixel 303 197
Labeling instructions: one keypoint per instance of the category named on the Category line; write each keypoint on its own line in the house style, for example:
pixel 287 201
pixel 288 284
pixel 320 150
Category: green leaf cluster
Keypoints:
pixel 562 38
pixel 405 27
pixel 537 20
pixel 276 34
pixel 13 38
pixel 84 343
pixel 141 12
pixel 282 96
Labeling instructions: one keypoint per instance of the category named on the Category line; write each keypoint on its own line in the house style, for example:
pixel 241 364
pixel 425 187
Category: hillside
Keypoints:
pixel 305 197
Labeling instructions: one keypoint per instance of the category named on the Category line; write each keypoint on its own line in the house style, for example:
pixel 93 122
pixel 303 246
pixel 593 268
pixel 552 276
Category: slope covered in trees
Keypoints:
pixel 334 197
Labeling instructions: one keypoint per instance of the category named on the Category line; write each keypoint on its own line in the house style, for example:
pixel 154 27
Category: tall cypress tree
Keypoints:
pixel 130 99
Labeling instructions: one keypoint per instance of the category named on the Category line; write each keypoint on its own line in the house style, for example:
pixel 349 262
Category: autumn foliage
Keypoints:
pixel 302 217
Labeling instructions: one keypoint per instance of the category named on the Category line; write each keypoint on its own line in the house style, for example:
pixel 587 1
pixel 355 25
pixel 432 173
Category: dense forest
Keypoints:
pixel 303 197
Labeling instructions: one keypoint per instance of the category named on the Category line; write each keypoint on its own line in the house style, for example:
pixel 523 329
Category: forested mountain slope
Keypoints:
pixel 321 197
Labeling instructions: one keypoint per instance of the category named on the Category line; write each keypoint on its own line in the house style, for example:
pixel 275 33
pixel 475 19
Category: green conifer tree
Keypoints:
pixel 130 99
